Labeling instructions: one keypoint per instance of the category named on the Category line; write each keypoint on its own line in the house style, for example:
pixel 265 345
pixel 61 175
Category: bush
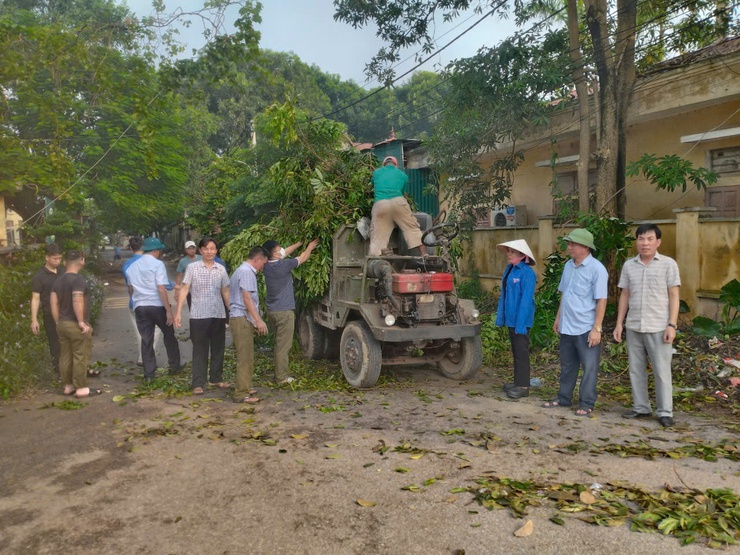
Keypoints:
pixel 24 357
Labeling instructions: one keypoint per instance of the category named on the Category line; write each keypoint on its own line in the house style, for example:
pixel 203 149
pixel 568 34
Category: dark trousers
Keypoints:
pixel 575 353
pixel 50 326
pixel 520 350
pixel 147 318
pixel 209 337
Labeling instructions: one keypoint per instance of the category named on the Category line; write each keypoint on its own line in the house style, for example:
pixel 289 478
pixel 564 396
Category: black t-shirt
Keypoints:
pixel 64 287
pixel 42 282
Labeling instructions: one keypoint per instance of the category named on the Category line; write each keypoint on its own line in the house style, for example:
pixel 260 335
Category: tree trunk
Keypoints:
pixel 615 66
pixel 584 106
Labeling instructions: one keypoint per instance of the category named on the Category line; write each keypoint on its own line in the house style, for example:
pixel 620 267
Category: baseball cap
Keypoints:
pixel 189 244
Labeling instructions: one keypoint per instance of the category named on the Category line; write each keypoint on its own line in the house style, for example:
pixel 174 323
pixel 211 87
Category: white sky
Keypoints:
pixel 307 28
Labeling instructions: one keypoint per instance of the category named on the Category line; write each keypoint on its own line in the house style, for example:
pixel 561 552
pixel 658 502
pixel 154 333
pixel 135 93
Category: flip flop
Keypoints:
pixel 550 405
pixel 69 390
pixel 584 411
pixel 222 385
pixel 249 400
pixel 198 391
pixel 92 393
pixel 93 373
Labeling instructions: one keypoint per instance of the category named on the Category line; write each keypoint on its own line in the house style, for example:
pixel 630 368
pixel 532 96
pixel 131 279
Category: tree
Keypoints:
pixel 610 36
pixel 88 117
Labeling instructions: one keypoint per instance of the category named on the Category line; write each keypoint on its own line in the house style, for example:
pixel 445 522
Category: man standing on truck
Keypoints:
pixel 391 209
pixel 281 300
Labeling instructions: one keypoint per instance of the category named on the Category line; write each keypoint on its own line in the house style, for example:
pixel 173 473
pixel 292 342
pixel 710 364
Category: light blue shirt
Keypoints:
pixel 145 275
pixel 243 279
pixel 581 287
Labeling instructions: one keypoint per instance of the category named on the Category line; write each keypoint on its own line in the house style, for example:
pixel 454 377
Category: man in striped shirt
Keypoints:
pixel 650 301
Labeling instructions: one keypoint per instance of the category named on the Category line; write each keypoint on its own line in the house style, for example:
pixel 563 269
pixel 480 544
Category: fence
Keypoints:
pixel 706 249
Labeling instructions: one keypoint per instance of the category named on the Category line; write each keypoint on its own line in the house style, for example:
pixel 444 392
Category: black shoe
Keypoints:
pixel 635 414
pixel 175 371
pixel 666 421
pixel 517 392
pixel 508 386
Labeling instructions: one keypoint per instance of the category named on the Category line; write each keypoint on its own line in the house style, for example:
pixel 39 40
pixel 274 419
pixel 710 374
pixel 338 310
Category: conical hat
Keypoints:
pixel 518 245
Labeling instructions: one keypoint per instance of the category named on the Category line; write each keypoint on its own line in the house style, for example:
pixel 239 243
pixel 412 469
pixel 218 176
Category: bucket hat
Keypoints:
pixel 152 244
pixel 521 246
pixel 582 237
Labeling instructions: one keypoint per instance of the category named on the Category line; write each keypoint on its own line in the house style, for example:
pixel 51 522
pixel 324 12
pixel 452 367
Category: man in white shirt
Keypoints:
pixel 147 281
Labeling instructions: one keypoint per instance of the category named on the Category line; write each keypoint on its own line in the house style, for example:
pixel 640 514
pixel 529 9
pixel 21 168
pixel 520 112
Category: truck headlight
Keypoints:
pixel 390 320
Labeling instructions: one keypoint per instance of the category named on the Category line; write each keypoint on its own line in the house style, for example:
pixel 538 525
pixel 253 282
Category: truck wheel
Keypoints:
pixel 311 337
pixel 462 363
pixel 360 355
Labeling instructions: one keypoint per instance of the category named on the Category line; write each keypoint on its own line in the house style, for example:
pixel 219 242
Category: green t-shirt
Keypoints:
pixel 389 182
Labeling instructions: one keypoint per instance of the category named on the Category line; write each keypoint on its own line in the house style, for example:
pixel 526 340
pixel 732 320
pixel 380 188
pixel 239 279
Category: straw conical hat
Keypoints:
pixel 518 245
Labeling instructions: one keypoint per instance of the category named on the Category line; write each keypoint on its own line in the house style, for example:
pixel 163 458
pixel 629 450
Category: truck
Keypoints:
pixel 399 308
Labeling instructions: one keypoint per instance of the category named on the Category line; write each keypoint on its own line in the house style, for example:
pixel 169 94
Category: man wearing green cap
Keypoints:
pixel 147 283
pixel 583 287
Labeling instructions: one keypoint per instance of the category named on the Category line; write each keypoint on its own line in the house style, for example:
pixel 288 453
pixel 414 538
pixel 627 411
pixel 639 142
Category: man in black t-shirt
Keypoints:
pixel 41 284
pixel 71 312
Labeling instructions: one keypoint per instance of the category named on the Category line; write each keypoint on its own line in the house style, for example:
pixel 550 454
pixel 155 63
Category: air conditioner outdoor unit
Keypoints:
pixel 509 216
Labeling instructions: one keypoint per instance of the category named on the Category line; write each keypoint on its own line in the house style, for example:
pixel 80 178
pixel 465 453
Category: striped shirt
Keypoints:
pixel 205 289
pixel 648 286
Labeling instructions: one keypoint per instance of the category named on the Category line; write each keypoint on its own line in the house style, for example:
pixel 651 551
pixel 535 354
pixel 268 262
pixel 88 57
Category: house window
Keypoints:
pixel 725 161
pixel 725 199
pixel 565 192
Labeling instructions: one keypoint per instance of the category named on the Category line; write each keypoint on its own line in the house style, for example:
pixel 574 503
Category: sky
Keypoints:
pixel 307 28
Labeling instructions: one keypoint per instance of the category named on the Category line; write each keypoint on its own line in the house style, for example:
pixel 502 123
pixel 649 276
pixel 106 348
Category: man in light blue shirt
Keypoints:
pixel 147 283
pixel 583 286
pixel 245 319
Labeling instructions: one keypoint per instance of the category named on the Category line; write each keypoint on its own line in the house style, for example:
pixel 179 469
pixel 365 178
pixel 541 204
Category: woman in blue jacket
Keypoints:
pixel 516 310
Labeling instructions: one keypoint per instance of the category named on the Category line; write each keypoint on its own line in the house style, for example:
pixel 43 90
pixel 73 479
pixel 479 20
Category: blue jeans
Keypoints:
pixel 575 353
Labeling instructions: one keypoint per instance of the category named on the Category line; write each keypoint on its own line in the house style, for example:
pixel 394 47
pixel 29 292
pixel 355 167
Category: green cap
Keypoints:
pixel 582 237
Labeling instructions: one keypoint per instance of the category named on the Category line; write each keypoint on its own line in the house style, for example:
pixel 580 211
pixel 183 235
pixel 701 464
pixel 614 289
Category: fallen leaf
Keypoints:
pixel 417 456
pixel 525 530
pixel 334 456
pixel 118 398
pixel 587 498
pixel 299 436
pixel 366 503
pixel 402 470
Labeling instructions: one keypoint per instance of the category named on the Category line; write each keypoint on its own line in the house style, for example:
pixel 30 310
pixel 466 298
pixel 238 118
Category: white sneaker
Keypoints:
pixel 289 379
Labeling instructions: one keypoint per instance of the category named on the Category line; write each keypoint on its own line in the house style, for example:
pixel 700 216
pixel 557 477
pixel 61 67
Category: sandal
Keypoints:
pixel 69 389
pixel 584 411
pixel 92 393
pixel 93 373
pixel 222 385
pixel 550 405
pixel 249 400
pixel 198 391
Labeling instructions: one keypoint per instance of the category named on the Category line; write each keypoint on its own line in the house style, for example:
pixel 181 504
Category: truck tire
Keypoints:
pixel 463 363
pixel 360 355
pixel 311 336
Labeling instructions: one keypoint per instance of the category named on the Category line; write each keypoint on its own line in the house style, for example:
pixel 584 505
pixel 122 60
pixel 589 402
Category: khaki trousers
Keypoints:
pixel 385 216
pixel 75 356
pixel 242 334
pixel 282 325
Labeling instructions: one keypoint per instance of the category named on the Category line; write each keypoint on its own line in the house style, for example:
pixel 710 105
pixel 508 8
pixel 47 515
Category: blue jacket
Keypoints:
pixel 516 304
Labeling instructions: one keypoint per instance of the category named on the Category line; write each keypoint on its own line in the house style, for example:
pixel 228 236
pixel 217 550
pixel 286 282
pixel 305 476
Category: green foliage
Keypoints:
pixel 495 339
pixel 730 323
pixel 546 302
pixel 319 186
pixel 670 172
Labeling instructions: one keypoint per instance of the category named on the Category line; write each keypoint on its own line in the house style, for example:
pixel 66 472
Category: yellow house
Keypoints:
pixel 688 106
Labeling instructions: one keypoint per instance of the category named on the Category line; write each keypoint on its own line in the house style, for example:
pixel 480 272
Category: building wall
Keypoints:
pixel 707 252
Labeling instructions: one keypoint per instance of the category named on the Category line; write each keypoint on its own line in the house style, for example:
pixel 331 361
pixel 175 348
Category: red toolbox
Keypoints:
pixel 421 283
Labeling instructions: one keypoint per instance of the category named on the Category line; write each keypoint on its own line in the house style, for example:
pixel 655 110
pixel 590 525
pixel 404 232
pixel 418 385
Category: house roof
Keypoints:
pixel 721 47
